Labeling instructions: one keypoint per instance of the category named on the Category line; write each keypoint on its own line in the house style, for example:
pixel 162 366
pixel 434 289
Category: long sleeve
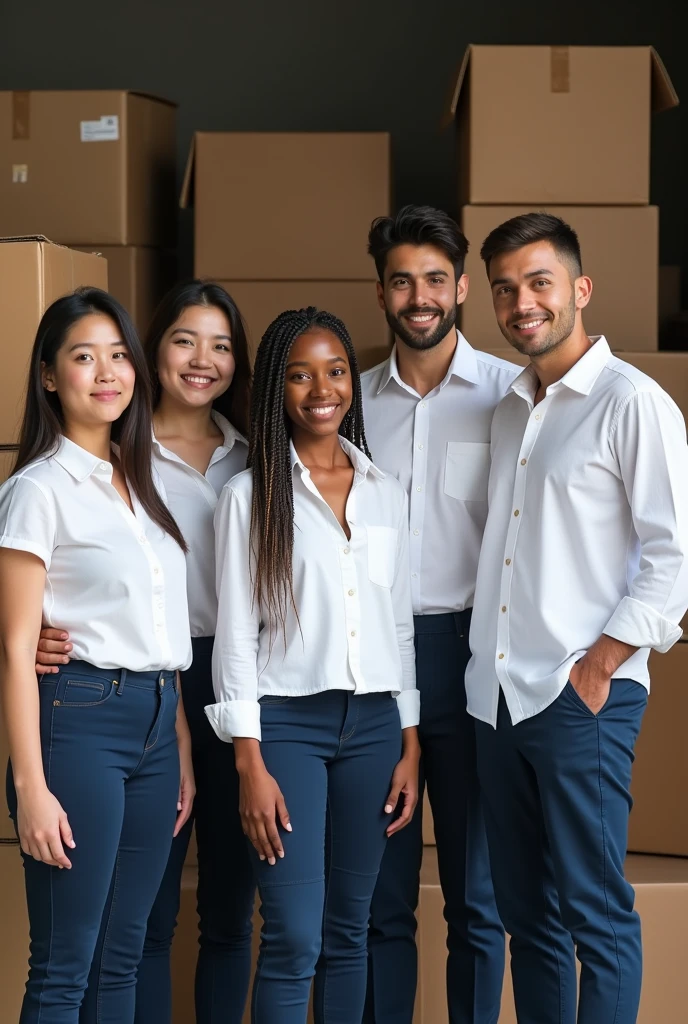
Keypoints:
pixel 235 677
pixel 408 700
pixel 650 443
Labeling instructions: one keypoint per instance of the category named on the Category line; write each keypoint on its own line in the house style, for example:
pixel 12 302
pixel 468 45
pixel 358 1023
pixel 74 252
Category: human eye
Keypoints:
pixel 120 355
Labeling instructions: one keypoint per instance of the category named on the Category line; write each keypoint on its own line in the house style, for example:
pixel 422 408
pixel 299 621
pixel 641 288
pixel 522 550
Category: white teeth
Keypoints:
pixel 197 380
pixel 322 410
pixel 422 319
pixel 528 326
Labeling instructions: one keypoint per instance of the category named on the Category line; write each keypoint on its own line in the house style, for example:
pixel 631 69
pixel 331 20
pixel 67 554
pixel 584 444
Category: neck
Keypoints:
pixel 319 452
pixel 95 440
pixel 552 366
pixel 425 369
pixel 174 419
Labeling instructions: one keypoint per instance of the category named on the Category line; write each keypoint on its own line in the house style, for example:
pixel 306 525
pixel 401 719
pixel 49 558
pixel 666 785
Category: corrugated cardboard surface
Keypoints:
pixel 14 934
pixel 287 206
pixel 624 302
pixel 138 277
pixel 590 141
pixel 120 190
pixel 32 275
pixel 354 302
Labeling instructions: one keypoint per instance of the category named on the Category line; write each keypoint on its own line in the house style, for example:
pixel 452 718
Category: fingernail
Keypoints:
pixel 63 635
pixel 72 845
pixel 272 862
pixel 262 856
pixel 288 827
pixel 281 853
pixel 388 809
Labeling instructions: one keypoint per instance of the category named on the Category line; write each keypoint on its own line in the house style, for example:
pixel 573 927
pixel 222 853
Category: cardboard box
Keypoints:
pixel 14 937
pixel 354 302
pixel 33 273
pixel 138 277
pixel 286 206
pixel 668 293
pixel 7 460
pixel 89 164
pixel 609 237
pixel 591 140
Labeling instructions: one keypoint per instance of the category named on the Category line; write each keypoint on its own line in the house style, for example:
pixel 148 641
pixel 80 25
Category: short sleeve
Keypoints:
pixel 27 518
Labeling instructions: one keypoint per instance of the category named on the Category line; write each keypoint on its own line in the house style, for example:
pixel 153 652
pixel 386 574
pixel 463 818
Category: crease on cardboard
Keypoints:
pixel 662 91
pixel 21 114
pixel 186 196
pixel 560 69
pixel 458 78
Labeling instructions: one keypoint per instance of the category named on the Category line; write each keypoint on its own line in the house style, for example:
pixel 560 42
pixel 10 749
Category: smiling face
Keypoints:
pixel 537 299
pixel 420 294
pixel 195 363
pixel 92 375
pixel 317 385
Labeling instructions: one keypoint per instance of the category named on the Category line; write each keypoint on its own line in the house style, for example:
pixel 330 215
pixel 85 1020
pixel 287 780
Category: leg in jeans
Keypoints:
pixel 583 765
pixel 542 955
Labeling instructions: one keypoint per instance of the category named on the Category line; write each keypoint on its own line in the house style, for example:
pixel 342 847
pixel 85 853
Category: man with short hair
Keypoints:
pixel 583 570
pixel 428 410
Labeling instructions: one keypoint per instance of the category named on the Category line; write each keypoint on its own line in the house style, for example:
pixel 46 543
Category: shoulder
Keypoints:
pixel 500 371
pixel 36 480
pixel 628 380
pixel 370 380
pixel 239 488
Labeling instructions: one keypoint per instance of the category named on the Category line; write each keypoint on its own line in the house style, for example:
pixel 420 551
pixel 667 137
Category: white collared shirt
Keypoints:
pixel 114 580
pixel 355 626
pixel 587 532
pixel 438 447
pixel 192 499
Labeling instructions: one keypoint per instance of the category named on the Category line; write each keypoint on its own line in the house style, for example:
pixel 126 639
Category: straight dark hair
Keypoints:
pixel 43 422
pixel 233 404
pixel 528 228
pixel 272 508
pixel 417 225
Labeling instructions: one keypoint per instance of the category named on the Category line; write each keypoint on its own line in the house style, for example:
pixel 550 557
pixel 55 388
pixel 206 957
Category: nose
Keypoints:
pixel 105 371
pixel 418 296
pixel 524 300
pixel 202 357
pixel 320 385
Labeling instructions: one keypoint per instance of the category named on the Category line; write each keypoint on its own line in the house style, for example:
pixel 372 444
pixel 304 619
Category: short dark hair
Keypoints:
pixel 534 227
pixel 417 225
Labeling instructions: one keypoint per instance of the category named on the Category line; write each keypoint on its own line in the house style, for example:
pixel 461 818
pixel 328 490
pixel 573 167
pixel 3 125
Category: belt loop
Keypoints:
pixel 120 683
pixel 458 622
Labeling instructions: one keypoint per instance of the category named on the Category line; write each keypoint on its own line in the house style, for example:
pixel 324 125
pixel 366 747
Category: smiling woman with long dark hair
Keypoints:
pixel 87 542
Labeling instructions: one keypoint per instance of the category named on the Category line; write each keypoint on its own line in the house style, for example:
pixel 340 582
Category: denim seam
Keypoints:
pixel 52 870
pixel 105 938
pixel 298 881
pixel 543 840
pixel 348 735
pixel 604 872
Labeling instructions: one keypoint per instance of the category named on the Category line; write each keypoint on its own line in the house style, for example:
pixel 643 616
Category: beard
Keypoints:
pixel 558 332
pixel 422 340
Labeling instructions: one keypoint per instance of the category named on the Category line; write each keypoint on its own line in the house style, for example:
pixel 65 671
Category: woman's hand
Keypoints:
pixel 43 827
pixel 261 804
pixel 187 786
pixel 405 782
pixel 53 651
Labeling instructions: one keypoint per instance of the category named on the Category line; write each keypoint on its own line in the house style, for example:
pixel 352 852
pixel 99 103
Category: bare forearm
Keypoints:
pixel 607 654
pixel 21 711
pixel 247 754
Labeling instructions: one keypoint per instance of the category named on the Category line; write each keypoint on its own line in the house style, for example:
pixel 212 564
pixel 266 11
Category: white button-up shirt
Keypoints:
pixel 192 499
pixel 438 447
pixel 115 581
pixel 587 532
pixel 355 626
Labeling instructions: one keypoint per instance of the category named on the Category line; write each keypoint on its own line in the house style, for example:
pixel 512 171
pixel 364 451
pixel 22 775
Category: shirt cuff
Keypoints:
pixel 408 703
pixel 235 718
pixel 20 544
pixel 639 625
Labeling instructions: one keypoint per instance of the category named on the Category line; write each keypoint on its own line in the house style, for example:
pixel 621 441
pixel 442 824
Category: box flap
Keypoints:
pixel 186 197
pixel 28 238
pixel 664 96
pixel 452 104
pixel 151 96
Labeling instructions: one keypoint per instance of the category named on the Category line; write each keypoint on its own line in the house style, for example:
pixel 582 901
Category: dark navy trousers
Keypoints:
pixel 110 757
pixel 557 801
pixel 226 885
pixel 475 937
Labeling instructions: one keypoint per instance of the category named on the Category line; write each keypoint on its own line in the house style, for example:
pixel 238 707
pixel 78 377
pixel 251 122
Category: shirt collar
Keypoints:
pixel 360 461
pixel 464 364
pixel 230 436
pixel 80 463
pixel 581 377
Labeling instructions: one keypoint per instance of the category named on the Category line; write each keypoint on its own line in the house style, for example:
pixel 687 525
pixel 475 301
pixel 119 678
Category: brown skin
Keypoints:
pixel 532 285
pixel 317 376
pixel 421 278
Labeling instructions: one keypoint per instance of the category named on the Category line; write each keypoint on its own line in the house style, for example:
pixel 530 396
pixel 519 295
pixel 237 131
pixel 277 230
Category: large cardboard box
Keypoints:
pixel 79 165
pixel 354 302
pixel 591 140
pixel 286 206
pixel 14 934
pixel 7 833
pixel 33 273
pixel 609 236
pixel 138 277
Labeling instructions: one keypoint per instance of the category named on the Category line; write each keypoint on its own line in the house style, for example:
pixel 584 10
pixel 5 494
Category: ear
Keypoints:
pixel 583 291
pixel 461 289
pixel 380 295
pixel 47 378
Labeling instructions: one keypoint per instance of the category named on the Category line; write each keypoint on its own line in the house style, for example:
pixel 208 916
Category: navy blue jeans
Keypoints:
pixel 226 886
pixel 333 755
pixel 475 937
pixel 110 757
pixel 556 789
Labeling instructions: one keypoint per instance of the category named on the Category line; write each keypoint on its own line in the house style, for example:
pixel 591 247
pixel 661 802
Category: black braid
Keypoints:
pixel 272 510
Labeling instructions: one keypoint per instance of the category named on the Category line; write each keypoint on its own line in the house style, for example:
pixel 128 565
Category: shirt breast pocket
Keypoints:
pixel 382 554
pixel 467 469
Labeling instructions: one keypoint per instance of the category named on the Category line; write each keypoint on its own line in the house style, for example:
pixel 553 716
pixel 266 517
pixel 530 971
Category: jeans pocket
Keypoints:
pixel 82 692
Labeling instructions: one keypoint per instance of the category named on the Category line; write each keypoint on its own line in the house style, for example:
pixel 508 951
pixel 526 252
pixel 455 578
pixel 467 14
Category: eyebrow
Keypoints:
pixel 304 362
pixel 429 273
pixel 187 330
pixel 89 344
pixel 532 273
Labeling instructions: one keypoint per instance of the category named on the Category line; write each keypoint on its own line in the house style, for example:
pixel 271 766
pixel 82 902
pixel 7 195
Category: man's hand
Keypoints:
pixel 591 677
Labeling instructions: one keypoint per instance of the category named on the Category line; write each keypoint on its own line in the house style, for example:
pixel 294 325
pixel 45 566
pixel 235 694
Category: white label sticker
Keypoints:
pixel 20 174
pixel 104 130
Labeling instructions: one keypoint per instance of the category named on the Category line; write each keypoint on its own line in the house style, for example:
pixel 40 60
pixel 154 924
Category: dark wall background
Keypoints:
pixel 337 65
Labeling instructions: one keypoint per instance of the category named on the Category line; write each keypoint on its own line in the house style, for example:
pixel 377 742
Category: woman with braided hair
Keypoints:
pixel 314 640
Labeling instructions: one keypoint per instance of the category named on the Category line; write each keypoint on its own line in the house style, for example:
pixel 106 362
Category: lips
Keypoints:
pixel 421 317
pixel 322 412
pixel 105 396
pixel 198 380
pixel 530 325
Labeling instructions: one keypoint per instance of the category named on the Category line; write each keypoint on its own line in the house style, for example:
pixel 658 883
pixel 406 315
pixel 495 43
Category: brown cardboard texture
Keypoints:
pixel 138 277
pixel 590 142
pixel 620 249
pixel 286 206
pixel 14 937
pixel 79 165
pixel 354 302
pixel 33 273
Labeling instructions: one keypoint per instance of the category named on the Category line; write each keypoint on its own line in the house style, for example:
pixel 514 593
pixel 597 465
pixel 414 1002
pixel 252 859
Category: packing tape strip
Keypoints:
pixel 559 69
pixel 21 114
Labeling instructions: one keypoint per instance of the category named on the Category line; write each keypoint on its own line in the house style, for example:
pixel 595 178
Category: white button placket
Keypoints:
pixel 157 579
pixel 419 473
pixel 352 603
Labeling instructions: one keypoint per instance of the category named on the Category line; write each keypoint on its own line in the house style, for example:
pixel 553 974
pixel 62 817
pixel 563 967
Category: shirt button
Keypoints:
pixel 414 575
pixel 537 415
pixel 503 607
pixel 351 593
pixel 501 657
pixel 523 461
pixel 353 632
pixel 517 513
pixel 422 405
pixel 421 447
pixel 104 466
pixel 346 551
pixel 507 561
pixel 156 570
pixel 416 532
pixel 419 488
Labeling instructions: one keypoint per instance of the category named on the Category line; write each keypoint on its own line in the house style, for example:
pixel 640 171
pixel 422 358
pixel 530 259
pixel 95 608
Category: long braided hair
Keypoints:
pixel 272 509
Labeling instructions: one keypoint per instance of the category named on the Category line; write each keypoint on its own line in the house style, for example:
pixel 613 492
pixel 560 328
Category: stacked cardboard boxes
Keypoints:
pixel 95 170
pixel 281 221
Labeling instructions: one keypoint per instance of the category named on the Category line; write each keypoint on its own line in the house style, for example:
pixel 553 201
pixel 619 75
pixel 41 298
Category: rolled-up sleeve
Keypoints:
pixel 408 699
pixel 27 518
pixel 235 678
pixel 650 443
